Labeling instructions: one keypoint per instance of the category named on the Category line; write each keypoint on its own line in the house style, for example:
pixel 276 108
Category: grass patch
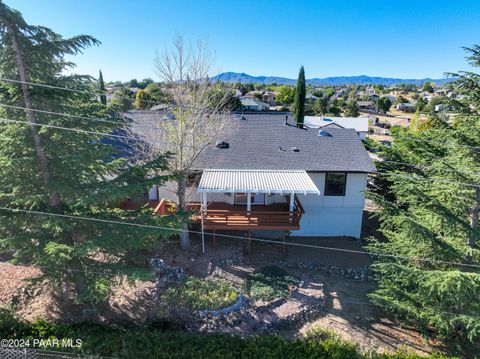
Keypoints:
pixel 200 294
pixel 269 283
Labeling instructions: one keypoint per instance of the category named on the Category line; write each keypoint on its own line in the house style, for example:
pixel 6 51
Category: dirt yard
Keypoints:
pixel 348 311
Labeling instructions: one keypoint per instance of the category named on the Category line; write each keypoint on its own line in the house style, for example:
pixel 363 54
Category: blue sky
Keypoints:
pixel 408 39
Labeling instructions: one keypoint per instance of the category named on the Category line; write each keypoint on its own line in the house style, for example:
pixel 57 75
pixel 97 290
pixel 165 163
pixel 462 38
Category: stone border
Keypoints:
pixel 361 273
pixel 224 311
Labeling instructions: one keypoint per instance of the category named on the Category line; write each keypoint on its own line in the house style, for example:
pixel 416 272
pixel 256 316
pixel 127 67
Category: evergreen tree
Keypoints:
pixel 351 109
pixel 122 100
pixel 101 88
pixel 64 172
pixel 384 104
pixel 143 100
pixel 429 216
pixel 299 102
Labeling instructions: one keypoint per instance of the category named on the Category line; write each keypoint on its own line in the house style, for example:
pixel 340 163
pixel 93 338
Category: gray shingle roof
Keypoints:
pixel 263 141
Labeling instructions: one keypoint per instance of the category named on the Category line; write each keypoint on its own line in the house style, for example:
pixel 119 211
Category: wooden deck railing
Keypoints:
pixel 234 217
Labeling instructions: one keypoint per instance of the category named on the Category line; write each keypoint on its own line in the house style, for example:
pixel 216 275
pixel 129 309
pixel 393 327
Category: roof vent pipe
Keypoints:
pixel 286 120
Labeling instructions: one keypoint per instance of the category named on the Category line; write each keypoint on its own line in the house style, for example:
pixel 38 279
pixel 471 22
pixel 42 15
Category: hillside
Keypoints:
pixel 327 81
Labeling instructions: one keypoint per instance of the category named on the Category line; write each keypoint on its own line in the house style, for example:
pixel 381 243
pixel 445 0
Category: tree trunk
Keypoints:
pixel 182 203
pixel 473 237
pixel 55 201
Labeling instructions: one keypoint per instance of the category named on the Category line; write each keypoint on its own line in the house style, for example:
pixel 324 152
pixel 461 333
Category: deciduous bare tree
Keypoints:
pixel 200 111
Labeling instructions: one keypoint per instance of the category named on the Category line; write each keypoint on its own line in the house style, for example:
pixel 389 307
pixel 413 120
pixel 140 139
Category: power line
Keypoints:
pixel 262 240
pixel 98 93
pixel 87 92
pixel 423 167
pixel 62 114
pixel 425 179
pixel 341 301
pixel 136 139
pixel 439 143
pixel 68 129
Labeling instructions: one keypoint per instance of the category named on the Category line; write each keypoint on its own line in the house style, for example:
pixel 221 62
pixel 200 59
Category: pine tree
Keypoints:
pixel 430 218
pixel 299 102
pixel 64 172
pixel 101 88
pixel 351 109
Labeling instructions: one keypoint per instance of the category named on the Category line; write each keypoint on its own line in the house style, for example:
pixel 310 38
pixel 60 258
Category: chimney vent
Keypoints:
pixel 222 144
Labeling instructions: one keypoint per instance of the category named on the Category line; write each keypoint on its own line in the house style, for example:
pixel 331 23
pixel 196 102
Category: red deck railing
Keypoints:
pixel 226 216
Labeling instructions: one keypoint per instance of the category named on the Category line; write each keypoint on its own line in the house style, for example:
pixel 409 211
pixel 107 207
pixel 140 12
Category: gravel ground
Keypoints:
pixel 14 278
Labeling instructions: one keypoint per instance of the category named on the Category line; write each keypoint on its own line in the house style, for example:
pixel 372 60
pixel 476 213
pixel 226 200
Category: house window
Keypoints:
pixel 335 184
pixel 255 198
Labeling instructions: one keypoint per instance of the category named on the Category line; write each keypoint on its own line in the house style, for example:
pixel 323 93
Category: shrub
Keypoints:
pixel 197 294
pixel 147 342
pixel 269 283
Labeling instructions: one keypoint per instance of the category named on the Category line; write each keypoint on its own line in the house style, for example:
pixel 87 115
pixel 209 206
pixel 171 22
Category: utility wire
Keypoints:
pixel 68 129
pixel 419 179
pixel 146 101
pixel 425 179
pixel 136 139
pixel 341 301
pixel 261 240
pixel 62 114
pixel 87 92
pixel 423 167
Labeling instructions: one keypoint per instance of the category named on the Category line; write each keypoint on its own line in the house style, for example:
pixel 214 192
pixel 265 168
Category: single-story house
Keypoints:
pixel 267 174
pixel 406 107
pixel 366 105
pixel 269 97
pixel 253 104
pixel 359 124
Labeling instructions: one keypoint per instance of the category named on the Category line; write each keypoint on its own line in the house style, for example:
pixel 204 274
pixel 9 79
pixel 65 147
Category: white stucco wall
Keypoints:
pixel 333 215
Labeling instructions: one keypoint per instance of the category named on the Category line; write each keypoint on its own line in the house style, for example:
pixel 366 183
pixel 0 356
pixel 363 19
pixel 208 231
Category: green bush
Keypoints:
pixel 269 283
pixel 148 342
pixel 197 294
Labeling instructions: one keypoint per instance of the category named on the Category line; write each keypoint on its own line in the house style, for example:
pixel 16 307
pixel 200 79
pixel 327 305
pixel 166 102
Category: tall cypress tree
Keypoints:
pixel 101 88
pixel 299 103
pixel 67 173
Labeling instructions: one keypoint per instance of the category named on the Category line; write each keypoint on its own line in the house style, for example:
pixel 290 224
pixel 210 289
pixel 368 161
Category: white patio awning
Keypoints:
pixel 256 181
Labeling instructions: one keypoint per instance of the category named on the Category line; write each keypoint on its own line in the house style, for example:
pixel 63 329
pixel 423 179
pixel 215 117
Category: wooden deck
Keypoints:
pixel 224 216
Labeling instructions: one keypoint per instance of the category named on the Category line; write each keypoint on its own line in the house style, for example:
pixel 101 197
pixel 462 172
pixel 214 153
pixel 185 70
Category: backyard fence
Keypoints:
pixel 24 353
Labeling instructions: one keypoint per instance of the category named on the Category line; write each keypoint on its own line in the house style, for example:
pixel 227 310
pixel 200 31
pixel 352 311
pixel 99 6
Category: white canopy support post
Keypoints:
pixel 203 211
pixel 249 201
pixel 292 198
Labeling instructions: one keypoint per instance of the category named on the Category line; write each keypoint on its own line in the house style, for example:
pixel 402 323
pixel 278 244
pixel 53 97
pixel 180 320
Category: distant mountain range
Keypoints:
pixel 326 81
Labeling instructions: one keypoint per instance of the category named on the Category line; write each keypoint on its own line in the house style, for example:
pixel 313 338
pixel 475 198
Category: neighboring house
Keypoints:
pixel 269 175
pixel 269 97
pixel 392 98
pixel 359 124
pixel 366 105
pixel 253 104
pixel 406 107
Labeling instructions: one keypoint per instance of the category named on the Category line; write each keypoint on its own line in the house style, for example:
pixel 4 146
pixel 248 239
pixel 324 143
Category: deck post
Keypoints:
pixel 249 248
pixel 284 247
pixel 203 210
pixel 214 239
pixel 292 198
pixel 203 232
